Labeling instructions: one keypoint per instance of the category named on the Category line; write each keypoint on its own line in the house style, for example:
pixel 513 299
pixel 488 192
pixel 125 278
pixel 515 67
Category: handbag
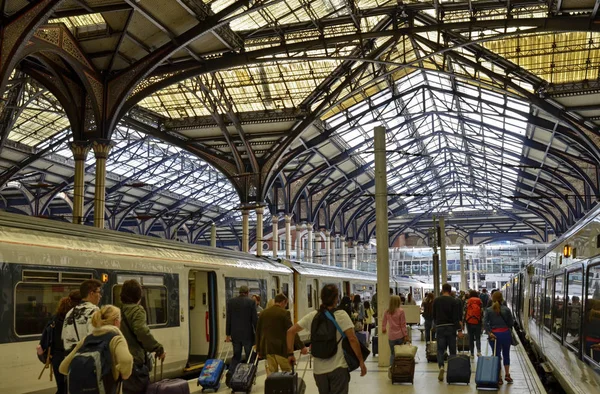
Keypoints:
pixel 513 339
pixel 349 354
pixel 405 350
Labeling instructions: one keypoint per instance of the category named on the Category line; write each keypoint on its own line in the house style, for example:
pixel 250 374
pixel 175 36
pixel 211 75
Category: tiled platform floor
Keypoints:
pixel 377 382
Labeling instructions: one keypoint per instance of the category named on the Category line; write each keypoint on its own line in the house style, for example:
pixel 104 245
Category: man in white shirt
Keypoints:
pixel 78 321
pixel 331 374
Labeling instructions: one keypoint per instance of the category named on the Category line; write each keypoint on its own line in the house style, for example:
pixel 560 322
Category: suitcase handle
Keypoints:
pixel 156 367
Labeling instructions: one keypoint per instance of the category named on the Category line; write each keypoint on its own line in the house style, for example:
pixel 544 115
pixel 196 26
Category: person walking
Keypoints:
pixel 410 300
pixel 256 299
pixel 358 313
pixel 330 368
pixel 369 317
pixel 140 340
pixel 474 320
pixel 498 322
pixel 78 321
pixel 447 317
pixel 398 333
pixel 346 306
pixel 106 322
pixel 427 306
pixel 240 326
pixel 485 298
pixel 271 336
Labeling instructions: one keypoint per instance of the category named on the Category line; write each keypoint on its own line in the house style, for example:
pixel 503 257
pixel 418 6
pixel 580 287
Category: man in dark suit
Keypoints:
pixel 241 325
pixel 271 336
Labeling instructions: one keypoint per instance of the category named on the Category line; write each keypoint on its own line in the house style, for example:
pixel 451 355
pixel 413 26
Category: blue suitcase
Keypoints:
pixel 363 337
pixel 212 372
pixel 488 372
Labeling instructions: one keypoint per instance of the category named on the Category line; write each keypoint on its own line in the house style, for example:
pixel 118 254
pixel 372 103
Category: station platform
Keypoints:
pixel 426 376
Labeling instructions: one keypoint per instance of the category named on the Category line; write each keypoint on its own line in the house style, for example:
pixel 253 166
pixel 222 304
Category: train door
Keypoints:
pixel 347 288
pixel 202 317
pixel 275 286
pixel 316 290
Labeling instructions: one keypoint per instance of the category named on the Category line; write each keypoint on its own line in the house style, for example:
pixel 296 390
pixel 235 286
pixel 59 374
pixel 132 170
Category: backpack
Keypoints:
pixel 323 336
pixel 90 371
pixel 473 315
pixel 46 341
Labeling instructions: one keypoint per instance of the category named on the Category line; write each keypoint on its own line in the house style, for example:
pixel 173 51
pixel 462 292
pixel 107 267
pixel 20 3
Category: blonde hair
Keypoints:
pixel 271 302
pixel 394 304
pixel 497 300
pixel 106 316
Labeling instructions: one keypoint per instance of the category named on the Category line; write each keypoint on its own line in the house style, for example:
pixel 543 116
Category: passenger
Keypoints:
pixel 474 319
pixel 358 313
pixel 402 300
pixel 484 297
pixel 498 322
pixel 57 350
pixel 396 318
pixel 78 321
pixel 427 306
pixel 106 323
pixel 240 326
pixel 447 318
pixel 256 299
pixel 592 329
pixel 369 317
pixel 331 373
pixel 271 336
pixel 410 300
pixel 346 305
pixel 139 338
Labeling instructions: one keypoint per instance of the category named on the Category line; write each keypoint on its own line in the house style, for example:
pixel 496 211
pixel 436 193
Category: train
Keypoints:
pixel 555 300
pixel 185 287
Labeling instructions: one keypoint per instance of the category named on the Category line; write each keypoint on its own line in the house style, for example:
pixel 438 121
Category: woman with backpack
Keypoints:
pixel 398 332
pixel 473 318
pixel 498 322
pixel 51 341
pixel 105 343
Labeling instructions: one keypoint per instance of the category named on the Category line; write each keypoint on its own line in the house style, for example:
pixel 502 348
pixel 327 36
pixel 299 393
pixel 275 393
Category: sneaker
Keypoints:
pixel 508 379
pixel 478 354
pixel 472 356
pixel 441 375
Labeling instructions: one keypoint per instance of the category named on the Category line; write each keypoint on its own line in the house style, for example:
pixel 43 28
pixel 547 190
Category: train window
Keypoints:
pixel 35 303
pixel 154 302
pixel 309 294
pixel 558 306
pixel 591 324
pixel 538 301
pixel 574 294
pixel 548 303
pixel 255 286
pixel 285 289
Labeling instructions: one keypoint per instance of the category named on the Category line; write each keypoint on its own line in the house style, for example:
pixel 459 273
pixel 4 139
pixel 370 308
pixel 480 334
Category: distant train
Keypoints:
pixel 185 289
pixel 556 303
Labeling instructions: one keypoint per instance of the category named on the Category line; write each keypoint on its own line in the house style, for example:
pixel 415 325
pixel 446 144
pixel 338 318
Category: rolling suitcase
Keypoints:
pixel 244 375
pixel 487 373
pixel 167 386
pixel 212 372
pixel 459 368
pixel 375 345
pixel 286 382
pixel 403 370
pixel 462 345
pixel 431 350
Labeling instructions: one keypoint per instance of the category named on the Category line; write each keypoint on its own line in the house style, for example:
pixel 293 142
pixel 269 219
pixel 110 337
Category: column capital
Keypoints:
pixel 260 210
pixel 327 233
pixel 102 148
pixel 80 149
pixel 342 237
pixel 298 227
pixel 309 226
pixel 245 212
pixel 288 219
pixel 275 218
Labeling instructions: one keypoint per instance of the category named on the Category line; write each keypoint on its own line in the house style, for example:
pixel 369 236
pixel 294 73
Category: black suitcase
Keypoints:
pixel 286 382
pixel 244 375
pixel 375 345
pixel 459 369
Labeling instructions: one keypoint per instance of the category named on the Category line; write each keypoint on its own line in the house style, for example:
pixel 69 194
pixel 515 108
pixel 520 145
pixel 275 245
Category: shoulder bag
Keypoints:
pixel 513 338
pixel 148 361
pixel 349 355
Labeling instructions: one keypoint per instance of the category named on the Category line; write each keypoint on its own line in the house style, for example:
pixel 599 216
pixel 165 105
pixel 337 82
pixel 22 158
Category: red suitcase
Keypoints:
pixel 167 386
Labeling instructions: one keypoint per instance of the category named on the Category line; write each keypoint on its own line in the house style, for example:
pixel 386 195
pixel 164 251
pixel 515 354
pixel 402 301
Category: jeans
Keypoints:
pixel 237 353
pixel 504 341
pixel 429 336
pixel 334 382
pixel 446 338
pixel 474 336
pixel 392 344
pixel 61 384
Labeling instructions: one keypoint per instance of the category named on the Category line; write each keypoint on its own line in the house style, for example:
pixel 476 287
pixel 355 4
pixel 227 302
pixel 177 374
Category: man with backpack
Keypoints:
pixel 474 319
pixel 78 322
pixel 447 317
pixel 330 367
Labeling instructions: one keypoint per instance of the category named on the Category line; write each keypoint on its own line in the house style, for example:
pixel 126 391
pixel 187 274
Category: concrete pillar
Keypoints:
pixel 259 230
pixel 309 242
pixel 443 250
pixel 382 236
pixel 275 235
pixel 355 252
pixel 288 237
pixel 334 258
pixel 327 247
pixel 213 235
pixel 476 274
pixel 101 150
pixel 245 230
pixel 463 276
pixel 80 151
pixel 298 242
pixel 344 255
pixel 471 277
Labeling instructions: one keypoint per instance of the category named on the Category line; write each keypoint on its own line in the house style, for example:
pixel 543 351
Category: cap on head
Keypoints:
pixel 244 289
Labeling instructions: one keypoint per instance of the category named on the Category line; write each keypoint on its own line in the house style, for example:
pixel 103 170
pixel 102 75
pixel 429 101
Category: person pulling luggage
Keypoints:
pixel 447 317
pixel 396 318
pixel 498 323
pixel 240 326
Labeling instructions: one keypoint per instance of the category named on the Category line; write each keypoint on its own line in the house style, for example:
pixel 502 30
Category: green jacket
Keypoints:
pixel 271 332
pixel 134 318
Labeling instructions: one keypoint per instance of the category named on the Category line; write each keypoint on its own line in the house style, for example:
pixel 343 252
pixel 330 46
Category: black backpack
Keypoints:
pixel 47 340
pixel 90 371
pixel 323 336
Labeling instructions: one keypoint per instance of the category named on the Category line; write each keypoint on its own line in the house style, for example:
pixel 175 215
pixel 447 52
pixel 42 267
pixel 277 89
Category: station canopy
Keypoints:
pixel 491 110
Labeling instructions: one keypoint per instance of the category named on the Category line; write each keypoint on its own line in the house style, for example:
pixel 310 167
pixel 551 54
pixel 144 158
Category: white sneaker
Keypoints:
pixel 441 375
pixel 478 354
